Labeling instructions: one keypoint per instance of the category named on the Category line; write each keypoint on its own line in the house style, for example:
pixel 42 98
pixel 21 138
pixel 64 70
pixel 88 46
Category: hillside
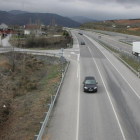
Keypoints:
pixel 130 26
pixel 45 18
pixel 17 12
pixel 82 19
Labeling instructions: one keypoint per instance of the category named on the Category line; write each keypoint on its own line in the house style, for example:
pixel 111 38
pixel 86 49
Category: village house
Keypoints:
pixel 5 30
pixel 34 29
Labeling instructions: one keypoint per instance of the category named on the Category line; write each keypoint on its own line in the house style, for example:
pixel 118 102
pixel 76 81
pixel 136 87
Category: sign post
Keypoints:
pixel 62 59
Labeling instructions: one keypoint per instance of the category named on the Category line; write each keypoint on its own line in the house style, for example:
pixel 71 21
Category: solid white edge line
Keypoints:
pixel 78 107
pixel 76 39
pixel 116 70
pixel 110 101
pixel 77 69
pixel 78 57
pixel 108 97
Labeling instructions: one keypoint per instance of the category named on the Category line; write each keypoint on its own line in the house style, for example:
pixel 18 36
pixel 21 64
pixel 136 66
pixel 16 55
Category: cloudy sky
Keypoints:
pixel 95 9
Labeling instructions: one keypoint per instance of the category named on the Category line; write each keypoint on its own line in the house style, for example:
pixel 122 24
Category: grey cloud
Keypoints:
pixel 95 9
pixel 106 1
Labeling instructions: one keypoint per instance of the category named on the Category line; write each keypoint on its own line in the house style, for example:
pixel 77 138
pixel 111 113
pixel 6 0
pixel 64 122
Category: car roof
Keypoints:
pixel 89 77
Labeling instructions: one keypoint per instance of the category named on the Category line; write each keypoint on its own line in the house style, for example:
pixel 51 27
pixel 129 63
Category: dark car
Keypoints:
pixel 80 33
pixel 90 84
pixel 82 43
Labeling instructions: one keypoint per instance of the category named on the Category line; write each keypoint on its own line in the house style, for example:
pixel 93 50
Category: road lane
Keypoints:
pixel 126 102
pixel 90 116
pixel 112 42
pixel 63 122
pixel 96 118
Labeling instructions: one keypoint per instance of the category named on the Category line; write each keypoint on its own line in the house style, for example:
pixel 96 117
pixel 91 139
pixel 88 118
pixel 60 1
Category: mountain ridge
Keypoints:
pixel 22 19
pixel 82 19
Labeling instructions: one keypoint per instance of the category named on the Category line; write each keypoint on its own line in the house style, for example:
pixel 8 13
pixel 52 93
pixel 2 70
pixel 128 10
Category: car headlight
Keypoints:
pixel 95 87
pixel 85 87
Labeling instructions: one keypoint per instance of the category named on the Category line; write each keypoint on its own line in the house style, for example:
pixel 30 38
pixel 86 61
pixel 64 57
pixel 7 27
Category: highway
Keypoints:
pixel 110 114
pixel 115 39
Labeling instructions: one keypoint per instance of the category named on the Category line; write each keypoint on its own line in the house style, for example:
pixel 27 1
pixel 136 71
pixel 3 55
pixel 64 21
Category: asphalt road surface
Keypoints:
pixel 110 114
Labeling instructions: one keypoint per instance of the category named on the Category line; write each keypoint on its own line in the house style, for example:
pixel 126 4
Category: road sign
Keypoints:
pixel 62 49
pixel 62 59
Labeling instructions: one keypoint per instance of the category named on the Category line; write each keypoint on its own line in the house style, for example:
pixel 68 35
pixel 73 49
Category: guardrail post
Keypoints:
pixel 35 137
pixel 53 97
pixel 41 124
pixel 49 106
pixel 45 114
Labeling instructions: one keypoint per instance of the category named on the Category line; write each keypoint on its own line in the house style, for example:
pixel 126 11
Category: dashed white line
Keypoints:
pixel 110 102
pixel 108 96
pixel 117 70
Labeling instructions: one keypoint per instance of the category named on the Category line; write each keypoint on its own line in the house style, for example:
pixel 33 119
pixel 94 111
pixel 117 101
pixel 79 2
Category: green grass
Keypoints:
pixel 126 43
pixel 134 64
pixel 54 71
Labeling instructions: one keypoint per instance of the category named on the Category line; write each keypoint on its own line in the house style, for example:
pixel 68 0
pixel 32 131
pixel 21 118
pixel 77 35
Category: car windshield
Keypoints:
pixel 90 82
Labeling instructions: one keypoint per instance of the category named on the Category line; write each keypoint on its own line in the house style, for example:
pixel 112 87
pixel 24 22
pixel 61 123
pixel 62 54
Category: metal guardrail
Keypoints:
pixel 30 52
pixel 50 106
pixel 122 52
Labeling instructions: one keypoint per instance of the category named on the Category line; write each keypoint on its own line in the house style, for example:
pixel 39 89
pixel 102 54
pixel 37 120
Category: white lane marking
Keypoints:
pixel 72 52
pixel 76 40
pixel 115 113
pixel 78 57
pixel 78 107
pixel 117 47
pixel 77 69
pixel 118 71
pixel 111 102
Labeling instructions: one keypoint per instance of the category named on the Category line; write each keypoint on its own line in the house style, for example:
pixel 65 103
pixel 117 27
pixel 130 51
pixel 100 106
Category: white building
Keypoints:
pixel 3 26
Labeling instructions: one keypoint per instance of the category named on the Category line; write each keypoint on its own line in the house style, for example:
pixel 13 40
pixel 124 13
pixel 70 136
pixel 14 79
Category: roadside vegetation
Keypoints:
pixel 131 62
pixel 131 27
pixel 49 41
pixel 26 85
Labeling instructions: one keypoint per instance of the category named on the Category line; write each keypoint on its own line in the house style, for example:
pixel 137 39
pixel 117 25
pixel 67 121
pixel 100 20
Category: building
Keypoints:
pixel 5 30
pixel 3 26
pixel 32 28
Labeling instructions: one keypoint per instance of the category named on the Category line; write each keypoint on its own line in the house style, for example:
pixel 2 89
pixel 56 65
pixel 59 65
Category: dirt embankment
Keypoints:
pixel 26 84
pixel 131 26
